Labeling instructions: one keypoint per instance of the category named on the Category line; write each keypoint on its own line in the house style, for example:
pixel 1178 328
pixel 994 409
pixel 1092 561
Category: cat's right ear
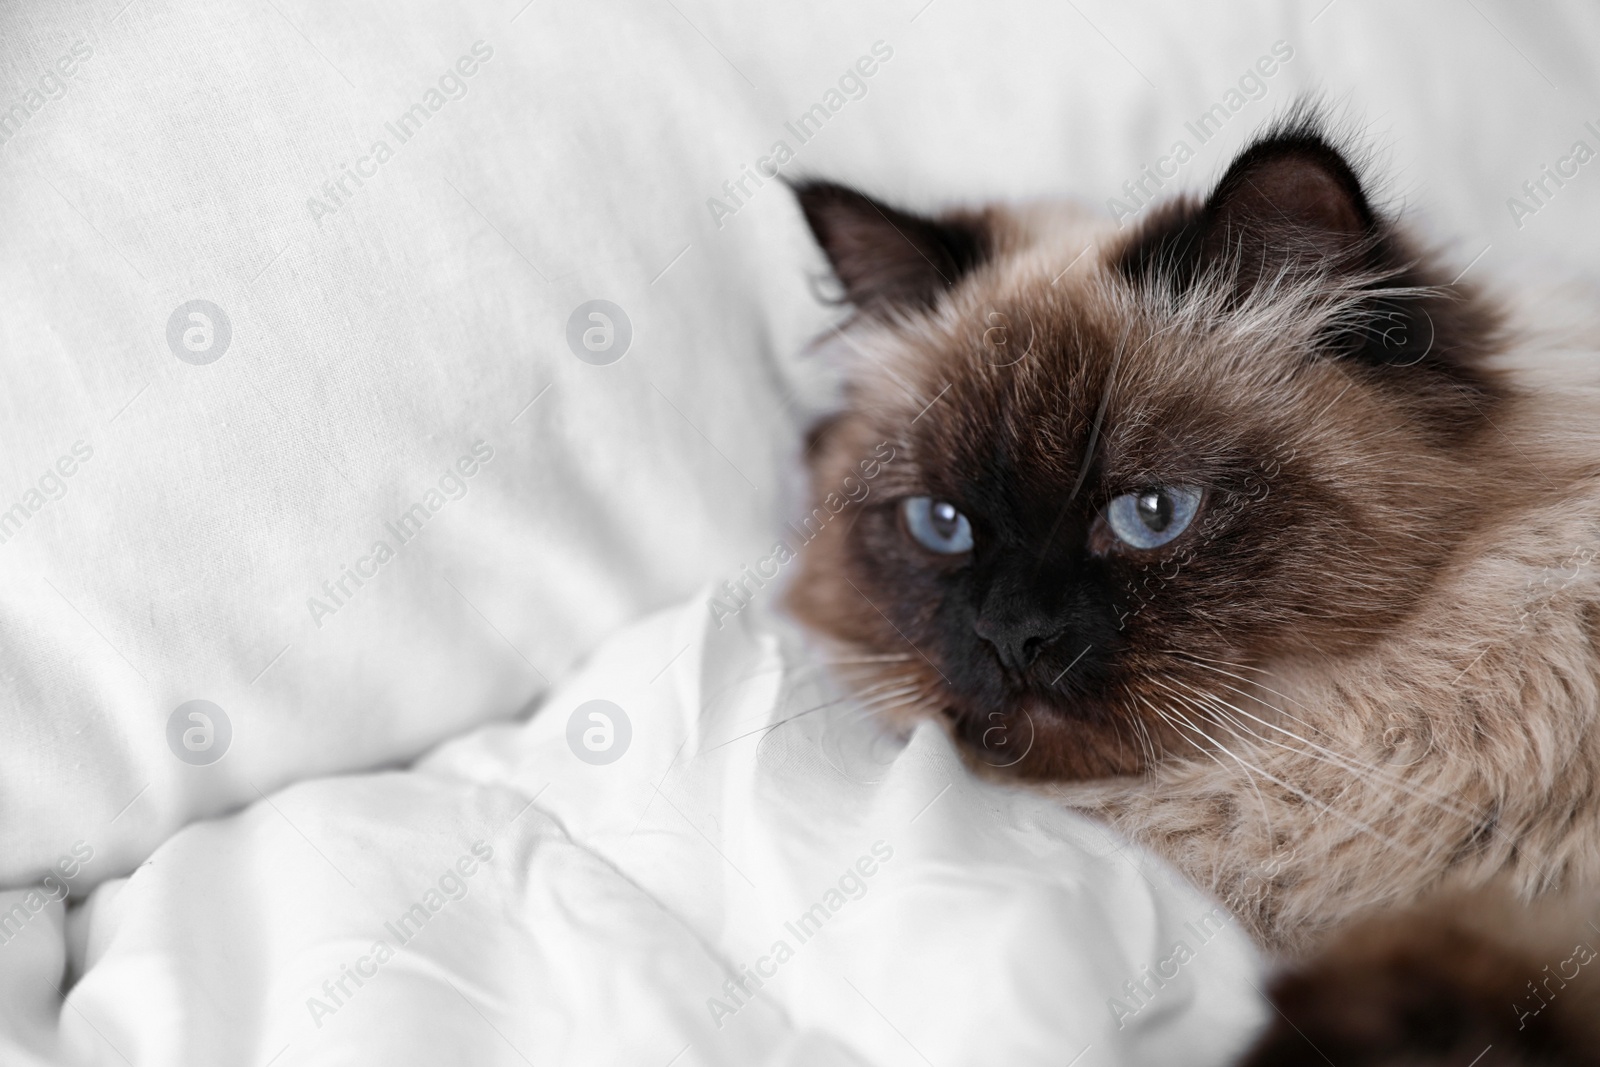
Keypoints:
pixel 885 258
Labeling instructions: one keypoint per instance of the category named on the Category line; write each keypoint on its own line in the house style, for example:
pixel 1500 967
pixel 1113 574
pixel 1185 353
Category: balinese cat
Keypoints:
pixel 1257 532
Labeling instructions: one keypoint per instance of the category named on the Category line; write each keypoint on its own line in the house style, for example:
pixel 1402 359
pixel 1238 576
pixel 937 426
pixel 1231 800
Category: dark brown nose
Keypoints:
pixel 1017 631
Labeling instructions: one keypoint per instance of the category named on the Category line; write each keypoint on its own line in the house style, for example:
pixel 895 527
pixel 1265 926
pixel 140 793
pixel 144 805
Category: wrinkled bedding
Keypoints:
pixel 760 872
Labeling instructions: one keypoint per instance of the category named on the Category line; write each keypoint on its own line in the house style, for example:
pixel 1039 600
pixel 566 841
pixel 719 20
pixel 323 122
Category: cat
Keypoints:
pixel 1258 532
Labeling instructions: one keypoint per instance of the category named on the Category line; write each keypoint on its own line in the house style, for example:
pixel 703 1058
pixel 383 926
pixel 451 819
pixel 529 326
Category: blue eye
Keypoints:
pixel 1152 517
pixel 937 525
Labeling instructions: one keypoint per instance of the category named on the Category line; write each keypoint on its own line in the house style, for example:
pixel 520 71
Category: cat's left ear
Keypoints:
pixel 885 258
pixel 1290 203
pixel 1292 207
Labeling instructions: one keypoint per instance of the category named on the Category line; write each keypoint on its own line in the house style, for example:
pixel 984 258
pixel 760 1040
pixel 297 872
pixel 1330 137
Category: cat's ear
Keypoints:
pixel 886 258
pixel 1290 202
pixel 1290 208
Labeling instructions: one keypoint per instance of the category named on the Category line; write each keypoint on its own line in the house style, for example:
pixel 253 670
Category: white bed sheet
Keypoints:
pixel 601 913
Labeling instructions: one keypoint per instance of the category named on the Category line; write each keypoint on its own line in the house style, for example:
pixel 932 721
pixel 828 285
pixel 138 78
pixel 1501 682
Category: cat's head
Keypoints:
pixel 1128 466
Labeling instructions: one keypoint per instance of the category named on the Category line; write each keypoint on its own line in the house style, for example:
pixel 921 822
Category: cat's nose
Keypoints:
pixel 1017 635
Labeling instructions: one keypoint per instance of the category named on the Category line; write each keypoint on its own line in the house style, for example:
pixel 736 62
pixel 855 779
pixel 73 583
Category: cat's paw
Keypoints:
pixel 1456 986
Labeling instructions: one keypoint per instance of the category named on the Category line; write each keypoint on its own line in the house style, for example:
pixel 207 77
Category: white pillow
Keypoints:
pixel 539 157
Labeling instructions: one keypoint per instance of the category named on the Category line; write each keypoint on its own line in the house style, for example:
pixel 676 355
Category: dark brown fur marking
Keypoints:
pixel 886 257
pixel 1434 988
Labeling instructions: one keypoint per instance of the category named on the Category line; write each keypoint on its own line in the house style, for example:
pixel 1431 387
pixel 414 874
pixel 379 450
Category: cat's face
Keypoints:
pixel 1130 472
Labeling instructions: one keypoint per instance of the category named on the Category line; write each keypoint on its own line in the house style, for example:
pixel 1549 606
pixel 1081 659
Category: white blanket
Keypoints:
pixel 763 875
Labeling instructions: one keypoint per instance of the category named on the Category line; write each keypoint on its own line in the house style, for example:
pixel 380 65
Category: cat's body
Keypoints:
pixel 1365 670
